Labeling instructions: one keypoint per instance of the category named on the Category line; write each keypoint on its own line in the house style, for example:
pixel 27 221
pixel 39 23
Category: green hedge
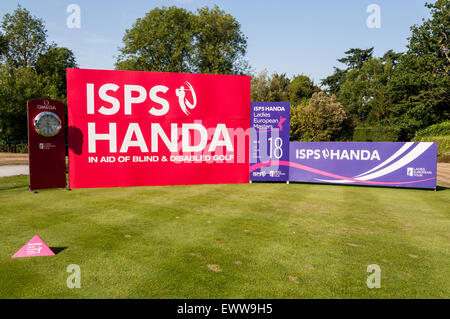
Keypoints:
pixel 13 147
pixel 376 134
pixel 439 133
pixel 442 141
pixel 441 129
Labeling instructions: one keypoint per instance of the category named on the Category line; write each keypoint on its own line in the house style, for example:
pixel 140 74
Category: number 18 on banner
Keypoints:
pixel 269 141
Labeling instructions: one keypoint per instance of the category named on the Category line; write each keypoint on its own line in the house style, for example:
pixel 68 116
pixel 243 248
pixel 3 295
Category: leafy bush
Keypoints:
pixel 322 118
pixel 441 129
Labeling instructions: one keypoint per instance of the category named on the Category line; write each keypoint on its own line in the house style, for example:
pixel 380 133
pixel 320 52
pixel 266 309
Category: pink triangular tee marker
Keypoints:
pixel 35 247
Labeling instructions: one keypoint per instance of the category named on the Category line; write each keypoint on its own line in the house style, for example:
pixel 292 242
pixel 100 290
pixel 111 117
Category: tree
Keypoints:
pixel 220 46
pixel 52 66
pixel 17 85
pixel 356 57
pixel 176 40
pixel 260 87
pixel 364 93
pixel 419 88
pixel 3 47
pixel 334 81
pixel 24 38
pixel 322 119
pixel 354 60
pixel 391 57
pixel 432 37
pixel 161 41
pixel 301 88
pixel 272 88
pixel 278 88
pixel 31 68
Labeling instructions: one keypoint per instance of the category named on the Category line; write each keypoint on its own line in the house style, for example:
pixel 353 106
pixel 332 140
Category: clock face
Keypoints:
pixel 47 124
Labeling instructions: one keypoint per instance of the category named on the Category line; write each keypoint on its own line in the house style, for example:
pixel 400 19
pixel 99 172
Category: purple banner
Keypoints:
pixel 269 140
pixel 408 164
pixel 377 164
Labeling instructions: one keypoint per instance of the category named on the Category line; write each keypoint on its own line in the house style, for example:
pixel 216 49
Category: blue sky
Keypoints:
pixel 284 36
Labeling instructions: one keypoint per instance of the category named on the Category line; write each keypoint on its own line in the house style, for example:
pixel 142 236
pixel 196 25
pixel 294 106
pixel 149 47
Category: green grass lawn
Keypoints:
pixel 259 240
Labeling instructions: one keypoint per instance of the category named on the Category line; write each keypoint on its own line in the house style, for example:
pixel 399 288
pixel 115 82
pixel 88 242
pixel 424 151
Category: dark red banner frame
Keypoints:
pixel 46 154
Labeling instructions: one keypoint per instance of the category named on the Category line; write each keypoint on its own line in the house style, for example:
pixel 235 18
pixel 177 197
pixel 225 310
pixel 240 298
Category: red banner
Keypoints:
pixel 129 128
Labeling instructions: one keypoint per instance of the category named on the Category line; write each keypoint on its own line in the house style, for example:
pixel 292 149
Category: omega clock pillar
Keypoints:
pixel 46 144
